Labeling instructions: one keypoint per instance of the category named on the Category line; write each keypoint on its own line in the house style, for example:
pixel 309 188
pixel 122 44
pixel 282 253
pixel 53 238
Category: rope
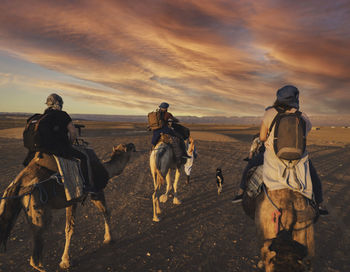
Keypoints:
pixel 277 214
pixel 55 176
pixel 30 198
pixel 273 204
pixel 43 193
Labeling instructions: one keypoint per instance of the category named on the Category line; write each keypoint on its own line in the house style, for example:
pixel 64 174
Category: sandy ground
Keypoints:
pixel 205 233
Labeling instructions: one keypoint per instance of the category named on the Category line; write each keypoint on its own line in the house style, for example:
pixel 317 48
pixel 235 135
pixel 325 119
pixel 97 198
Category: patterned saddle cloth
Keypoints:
pixel 69 170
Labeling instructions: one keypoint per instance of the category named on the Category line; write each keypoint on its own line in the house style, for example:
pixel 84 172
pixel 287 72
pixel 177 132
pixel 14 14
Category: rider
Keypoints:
pixel 64 134
pixel 287 101
pixel 167 117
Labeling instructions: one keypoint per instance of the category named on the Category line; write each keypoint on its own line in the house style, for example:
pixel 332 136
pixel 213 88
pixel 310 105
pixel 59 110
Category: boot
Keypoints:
pixel 187 179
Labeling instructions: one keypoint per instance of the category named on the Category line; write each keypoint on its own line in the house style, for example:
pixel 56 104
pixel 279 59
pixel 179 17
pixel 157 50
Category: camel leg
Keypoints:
pixel 70 223
pixel 266 257
pixel 100 203
pixel 38 219
pixel 155 200
pixel 266 230
pixel 176 201
pixel 164 197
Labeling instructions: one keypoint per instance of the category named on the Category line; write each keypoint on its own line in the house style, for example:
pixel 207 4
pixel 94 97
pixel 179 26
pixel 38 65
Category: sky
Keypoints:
pixel 203 57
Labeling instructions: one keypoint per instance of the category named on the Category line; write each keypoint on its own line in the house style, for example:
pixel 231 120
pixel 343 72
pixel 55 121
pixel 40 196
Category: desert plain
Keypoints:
pixel 205 233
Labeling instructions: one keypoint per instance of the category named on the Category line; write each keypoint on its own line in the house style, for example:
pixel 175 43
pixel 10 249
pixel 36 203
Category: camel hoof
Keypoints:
pixel 156 219
pixel 176 201
pixel 64 265
pixel 108 241
pixel 37 267
pixel 163 198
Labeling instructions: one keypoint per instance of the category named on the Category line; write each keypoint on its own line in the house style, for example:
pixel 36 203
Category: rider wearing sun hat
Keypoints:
pixel 167 117
pixel 287 100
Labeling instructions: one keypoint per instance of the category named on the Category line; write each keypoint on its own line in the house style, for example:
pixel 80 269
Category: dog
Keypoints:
pixel 219 180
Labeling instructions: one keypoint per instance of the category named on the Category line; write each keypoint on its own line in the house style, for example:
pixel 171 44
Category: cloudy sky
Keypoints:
pixel 204 57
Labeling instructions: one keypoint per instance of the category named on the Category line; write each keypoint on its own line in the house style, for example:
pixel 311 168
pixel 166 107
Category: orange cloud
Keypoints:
pixel 205 58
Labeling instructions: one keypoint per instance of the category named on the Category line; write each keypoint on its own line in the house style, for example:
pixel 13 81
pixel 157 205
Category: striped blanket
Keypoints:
pixel 72 177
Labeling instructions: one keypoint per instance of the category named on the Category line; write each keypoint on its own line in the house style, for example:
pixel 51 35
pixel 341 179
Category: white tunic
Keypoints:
pixel 278 174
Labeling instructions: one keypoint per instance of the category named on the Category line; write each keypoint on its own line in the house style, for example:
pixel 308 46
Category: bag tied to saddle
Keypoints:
pixel 181 130
pixel 290 135
pixel 155 120
pixel 72 178
pixel 253 190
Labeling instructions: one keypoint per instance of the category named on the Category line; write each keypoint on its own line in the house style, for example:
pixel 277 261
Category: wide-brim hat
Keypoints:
pixel 288 95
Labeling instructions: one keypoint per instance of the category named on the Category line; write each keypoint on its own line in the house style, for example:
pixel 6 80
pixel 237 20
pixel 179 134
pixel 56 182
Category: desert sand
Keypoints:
pixel 205 233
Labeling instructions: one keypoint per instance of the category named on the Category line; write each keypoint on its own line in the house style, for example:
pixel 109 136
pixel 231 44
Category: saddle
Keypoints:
pixel 254 189
pixel 175 144
pixel 69 170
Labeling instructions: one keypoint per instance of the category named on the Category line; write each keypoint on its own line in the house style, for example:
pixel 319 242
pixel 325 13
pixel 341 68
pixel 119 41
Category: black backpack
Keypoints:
pixel 289 140
pixel 38 134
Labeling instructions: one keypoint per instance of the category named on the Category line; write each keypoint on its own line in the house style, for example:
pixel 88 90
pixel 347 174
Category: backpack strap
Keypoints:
pixel 29 120
pixel 279 112
pixel 299 114
pixel 37 123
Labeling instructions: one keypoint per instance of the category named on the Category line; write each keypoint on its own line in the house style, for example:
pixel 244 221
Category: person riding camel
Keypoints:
pixel 166 117
pixel 287 104
pixel 57 134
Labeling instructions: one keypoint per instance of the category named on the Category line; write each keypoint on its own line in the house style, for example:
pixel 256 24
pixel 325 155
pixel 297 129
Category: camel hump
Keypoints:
pixel 46 160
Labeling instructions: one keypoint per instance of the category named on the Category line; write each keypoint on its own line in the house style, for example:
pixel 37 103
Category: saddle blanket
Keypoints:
pixel 72 177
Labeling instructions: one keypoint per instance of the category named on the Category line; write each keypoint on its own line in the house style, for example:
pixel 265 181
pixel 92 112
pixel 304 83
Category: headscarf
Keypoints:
pixel 54 101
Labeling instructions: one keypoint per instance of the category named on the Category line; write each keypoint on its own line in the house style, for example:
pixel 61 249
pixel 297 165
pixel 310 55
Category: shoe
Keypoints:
pixel 237 198
pixel 89 190
pixel 322 210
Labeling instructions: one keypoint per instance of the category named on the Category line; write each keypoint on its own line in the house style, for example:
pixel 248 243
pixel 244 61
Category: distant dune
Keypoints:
pixel 324 120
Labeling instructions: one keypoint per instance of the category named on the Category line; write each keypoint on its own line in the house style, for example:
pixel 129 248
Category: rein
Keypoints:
pixel 277 214
pixel 41 189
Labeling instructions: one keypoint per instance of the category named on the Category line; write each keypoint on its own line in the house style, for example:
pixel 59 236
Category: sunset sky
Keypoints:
pixel 203 57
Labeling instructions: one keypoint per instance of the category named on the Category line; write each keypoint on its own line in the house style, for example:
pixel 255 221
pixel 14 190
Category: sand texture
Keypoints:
pixel 205 233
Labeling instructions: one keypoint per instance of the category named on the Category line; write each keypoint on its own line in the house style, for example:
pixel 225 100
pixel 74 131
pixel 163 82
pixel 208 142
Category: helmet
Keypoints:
pixel 54 101
pixel 164 105
pixel 288 95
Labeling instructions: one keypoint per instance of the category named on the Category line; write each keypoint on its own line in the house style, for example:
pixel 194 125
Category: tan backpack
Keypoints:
pixel 154 120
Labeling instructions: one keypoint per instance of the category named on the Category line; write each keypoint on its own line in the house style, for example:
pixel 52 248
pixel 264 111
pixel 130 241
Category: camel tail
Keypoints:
pixel 160 178
pixel 10 207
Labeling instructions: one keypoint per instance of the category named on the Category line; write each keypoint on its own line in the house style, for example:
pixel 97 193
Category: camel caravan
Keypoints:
pixel 279 189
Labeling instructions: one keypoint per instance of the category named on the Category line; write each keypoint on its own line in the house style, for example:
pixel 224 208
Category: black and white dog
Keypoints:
pixel 219 180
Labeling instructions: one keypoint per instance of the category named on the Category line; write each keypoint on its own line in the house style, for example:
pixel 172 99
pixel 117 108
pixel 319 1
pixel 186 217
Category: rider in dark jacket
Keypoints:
pixel 167 117
pixel 63 135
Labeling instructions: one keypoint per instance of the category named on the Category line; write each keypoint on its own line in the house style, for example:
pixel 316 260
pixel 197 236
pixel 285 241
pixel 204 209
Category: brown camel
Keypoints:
pixel 284 220
pixel 26 192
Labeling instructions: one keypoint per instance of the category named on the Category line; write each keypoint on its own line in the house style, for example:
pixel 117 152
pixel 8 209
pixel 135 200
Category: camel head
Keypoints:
pixel 118 149
pixel 287 254
pixel 119 158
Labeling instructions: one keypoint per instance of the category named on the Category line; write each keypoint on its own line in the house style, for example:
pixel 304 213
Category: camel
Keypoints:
pixel 284 220
pixel 162 160
pixel 37 193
